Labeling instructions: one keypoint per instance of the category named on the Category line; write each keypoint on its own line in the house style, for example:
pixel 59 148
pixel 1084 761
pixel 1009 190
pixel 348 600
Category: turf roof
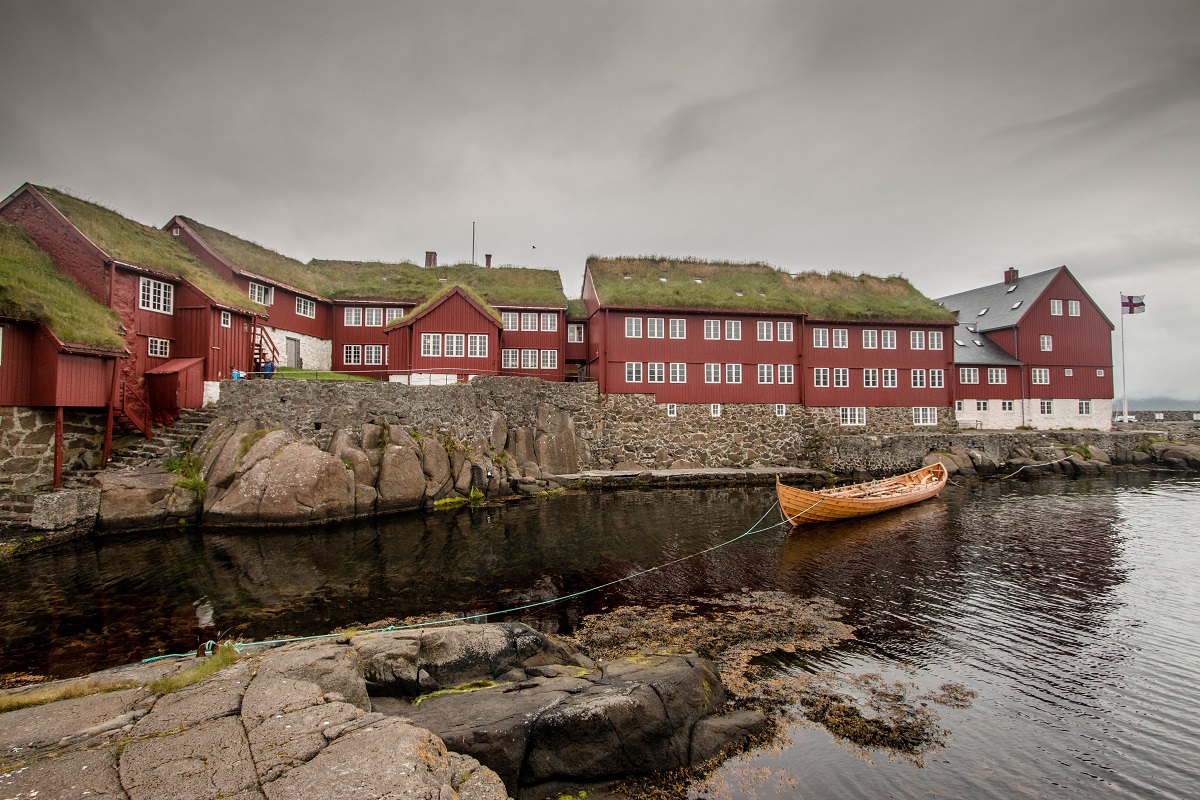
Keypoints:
pixel 658 282
pixel 31 288
pixel 134 243
pixel 467 290
pixel 251 257
pixel 517 286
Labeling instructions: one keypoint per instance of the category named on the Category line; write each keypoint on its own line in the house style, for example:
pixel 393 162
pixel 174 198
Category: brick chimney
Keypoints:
pixel 1010 275
pixel 487 260
pixel 430 258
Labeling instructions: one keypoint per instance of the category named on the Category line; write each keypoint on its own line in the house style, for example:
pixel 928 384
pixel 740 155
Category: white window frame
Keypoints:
pixel 455 345
pixel 780 409
pixel 841 338
pixel 678 372
pixel 529 321
pixel 655 328
pixel 871 378
pixel 431 345
pixel 306 308
pixel 820 337
pixel 937 379
pixel 352 354
pixel 889 378
pixel 549 359
pixel 1068 372
pixel 918 379
pixel 852 416
pixel 887 340
pixel 841 377
pixel 529 358
pixel 678 328
pixel 373 317
pixel 821 377
pixel 1099 373
pixel 733 373
pixel 1046 342
pixel 870 340
pixel 1073 311
pixel 633 327
pixel 733 330
pixel 712 373
pixel 656 372
pixel 766 331
pixel 712 330
pixel 352 317
pixel 672 410
pixel 261 293
pixel 784 331
pixel 1085 407
pixel 156 296
pixel 633 372
pixel 477 345
pixel 1045 406
pixel 158 348
pixel 916 340
pixel 925 415
pixel 1040 376
pixel 981 405
pixel 960 405
pixel 714 410
pixel 787 373
pixel 226 319
pixel 935 340
pixel 997 376
pixel 392 313
pixel 766 373
pixel 510 358
pixel 1007 405
pixel 1056 308
pixel 968 375
pixel 373 355
pixel 575 333
pixel 549 322
pixel 511 320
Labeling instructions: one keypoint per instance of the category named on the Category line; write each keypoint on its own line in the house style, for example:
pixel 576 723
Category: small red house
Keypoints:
pixel 450 339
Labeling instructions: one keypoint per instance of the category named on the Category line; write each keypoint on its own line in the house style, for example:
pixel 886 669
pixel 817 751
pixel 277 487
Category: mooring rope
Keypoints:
pixel 239 646
pixel 1027 466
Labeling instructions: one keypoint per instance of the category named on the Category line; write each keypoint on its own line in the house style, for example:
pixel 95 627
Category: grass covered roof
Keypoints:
pixel 251 257
pixel 31 288
pixel 658 282
pixel 134 243
pixel 503 286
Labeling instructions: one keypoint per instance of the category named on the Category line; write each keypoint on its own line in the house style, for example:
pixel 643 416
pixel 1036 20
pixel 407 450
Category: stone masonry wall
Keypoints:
pixel 27 444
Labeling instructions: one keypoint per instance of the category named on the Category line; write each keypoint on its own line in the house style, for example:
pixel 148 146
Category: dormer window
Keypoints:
pixel 1017 304
pixel 971 328
pixel 982 311
pixel 1011 289
pixel 960 343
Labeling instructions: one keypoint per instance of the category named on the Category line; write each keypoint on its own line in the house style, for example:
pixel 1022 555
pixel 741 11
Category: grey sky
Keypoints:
pixel 943 141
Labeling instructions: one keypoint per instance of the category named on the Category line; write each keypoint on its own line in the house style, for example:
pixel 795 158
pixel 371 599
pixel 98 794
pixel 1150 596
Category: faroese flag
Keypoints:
pixel 1132 304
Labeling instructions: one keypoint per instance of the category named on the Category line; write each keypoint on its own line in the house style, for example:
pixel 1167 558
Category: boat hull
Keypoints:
pixel 804 507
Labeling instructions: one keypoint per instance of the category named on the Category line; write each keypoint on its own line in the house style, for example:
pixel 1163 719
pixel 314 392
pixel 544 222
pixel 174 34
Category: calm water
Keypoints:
pixel 1072 608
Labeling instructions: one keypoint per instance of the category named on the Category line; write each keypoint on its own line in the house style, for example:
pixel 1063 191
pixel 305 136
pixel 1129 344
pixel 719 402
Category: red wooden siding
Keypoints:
pixel 539 340
pixel 1082 344
pixel 344 334
pixel 33 372
pixel 1009 390
pixel 455 316
pixel 69 250
pixel 16 362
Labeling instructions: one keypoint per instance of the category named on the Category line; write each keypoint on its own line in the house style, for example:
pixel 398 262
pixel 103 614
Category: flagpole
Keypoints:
pixel 1124 387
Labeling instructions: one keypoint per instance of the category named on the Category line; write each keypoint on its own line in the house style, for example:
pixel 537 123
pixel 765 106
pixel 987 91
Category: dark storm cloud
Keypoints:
pixel 940 140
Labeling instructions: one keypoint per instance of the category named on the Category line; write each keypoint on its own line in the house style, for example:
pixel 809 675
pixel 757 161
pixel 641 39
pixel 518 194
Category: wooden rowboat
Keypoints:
pixel 801 506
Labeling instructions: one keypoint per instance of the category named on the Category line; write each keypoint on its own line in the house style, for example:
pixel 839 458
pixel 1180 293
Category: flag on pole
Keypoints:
pixel 1132 304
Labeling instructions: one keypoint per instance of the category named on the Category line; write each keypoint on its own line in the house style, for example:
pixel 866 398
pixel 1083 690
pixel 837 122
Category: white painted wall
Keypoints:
pixel 315 352
pixel 1065 415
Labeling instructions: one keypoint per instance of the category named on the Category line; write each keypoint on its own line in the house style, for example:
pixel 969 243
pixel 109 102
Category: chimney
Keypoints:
pixel 430 258
pixel 487 260
pixel 1010 275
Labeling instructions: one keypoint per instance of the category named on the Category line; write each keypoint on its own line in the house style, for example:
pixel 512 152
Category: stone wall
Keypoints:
pixel 27 444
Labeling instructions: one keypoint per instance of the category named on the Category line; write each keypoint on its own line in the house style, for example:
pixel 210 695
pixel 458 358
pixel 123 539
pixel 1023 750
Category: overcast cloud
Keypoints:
pixel 944 141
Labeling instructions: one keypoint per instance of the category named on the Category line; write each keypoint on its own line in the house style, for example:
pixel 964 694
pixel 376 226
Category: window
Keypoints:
pixel 981 405
pixel 654 328
pixel 935 340
pixel 712 373
pixel 960 405
pixel 820 337
pixel 841 338
pixel 1006 405
pixel 1056 308
pixel 352 354
pixel 924 415
pixel 890 378
pixel 633 327
pixel 787 373
pixel 969 374
pixel 887 340
pixel 306 308
pixel 1047 342
pixel 1068 372
pixel 352 317
pixel 712 329
pixel 1099 373
pixel 918 379
pixel 633 372
pixel 226 319
pixel 765 330
pixel 766 373
pixel 477 345
pixel 1085 406
pixel 870 340
pixel 575 333
pixel 733 329
pixel 549 322
pixel 1045 406
pixel 997 376
pixel 841 377
pixel 672 410
pixel 392 314
pixel 1073 311
pixel 431 345
pixel 937 378
pixel 529 359
pixel 454 345
pixel 916 340
pixel 851 415
pixel 679 329
pixel 549 359
pixel 529 322
pixel 655 372
pixel 157 296
pixel 373 317
pixel 733 373
pixel 512 320
pixel 821 377
pixel 780 410
pixel 870 379
pixel 678 373
pixel 158 348
pixel 1041 376
pixel 510 358
pixel 264 295
pixel 783 331
pixel 373 355
pixel 715 410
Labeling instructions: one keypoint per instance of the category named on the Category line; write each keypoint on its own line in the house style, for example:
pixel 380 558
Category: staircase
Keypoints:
pixel 264 347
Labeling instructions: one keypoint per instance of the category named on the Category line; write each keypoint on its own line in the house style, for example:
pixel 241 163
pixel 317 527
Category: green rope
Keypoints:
pixel 754 529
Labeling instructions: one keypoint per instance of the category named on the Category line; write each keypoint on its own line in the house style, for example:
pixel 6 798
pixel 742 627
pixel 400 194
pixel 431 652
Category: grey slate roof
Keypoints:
pixel 999 299
pixel 978 349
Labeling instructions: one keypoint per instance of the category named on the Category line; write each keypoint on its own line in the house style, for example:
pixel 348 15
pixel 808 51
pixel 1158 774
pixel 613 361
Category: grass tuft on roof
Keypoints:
pixel 405 281
pixel 134 243
pixel 446 289
pixel 252 257
pixel 839 296
pixel 31 288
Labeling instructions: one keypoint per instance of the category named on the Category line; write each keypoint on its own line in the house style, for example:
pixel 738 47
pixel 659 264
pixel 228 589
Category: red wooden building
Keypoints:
pixel 1033 351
